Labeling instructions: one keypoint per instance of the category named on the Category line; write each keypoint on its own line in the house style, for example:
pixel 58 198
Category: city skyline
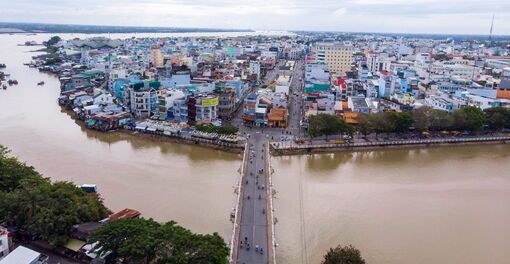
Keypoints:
pixel 448 17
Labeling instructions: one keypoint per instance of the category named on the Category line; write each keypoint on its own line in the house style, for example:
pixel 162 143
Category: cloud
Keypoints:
pixel 449 16
pixel 340 11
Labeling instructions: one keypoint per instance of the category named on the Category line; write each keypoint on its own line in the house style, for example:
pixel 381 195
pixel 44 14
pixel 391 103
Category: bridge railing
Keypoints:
pixel 271 243
pixel 238 208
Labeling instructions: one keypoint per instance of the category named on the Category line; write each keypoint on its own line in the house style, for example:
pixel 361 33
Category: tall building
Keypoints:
pixel 255 69
pixel 143 98
pixel 337 56
pixel 157 57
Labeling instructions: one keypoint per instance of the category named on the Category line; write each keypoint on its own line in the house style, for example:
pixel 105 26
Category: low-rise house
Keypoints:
pixel 278 117
pixel 358 104
pixel 122 214
pixel 5 242
pixel 108 121
pixel 23 255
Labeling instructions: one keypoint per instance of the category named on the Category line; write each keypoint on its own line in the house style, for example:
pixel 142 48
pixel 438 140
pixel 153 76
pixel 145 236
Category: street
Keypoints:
pixel 254 235
pixel 253 238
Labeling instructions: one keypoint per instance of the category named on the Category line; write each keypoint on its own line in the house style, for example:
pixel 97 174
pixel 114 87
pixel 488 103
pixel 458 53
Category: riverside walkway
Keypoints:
pixel 291 146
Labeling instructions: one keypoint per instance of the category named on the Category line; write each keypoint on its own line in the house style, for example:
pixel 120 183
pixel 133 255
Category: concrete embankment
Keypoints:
pixel 234 148
pixel 215 144
pixel 279 149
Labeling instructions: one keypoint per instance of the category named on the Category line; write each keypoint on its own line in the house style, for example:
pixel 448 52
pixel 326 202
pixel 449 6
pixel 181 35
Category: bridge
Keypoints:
pixel 253 236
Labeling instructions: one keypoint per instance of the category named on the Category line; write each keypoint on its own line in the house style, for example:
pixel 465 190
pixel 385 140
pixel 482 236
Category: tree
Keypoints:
pixel 343 255
pixel 12 171
pixel 421 117
pixel 40 207
pixel 440 120
pixel 497 118
pixel 52 41
pixel 181 246
pixel 381 123
pixel 326 125
pixel 134 239
pixel 363 126
pixel 401 121
pixel 469 118
pixel 145 239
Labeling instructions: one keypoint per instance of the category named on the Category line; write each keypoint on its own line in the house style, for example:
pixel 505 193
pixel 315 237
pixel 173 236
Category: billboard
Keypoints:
pixel 210 101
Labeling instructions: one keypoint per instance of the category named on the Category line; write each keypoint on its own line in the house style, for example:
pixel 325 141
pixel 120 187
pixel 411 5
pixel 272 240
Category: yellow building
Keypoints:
pixel 157 57
pixel 337 56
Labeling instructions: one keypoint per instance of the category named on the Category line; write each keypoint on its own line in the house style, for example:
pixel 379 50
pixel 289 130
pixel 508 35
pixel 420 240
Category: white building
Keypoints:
pixel 206 109
pixel 386 85
pixel 377 62
pixel 4 242
pixel 317 71
pixel 255 68
pixel 143 101
pixel 23 255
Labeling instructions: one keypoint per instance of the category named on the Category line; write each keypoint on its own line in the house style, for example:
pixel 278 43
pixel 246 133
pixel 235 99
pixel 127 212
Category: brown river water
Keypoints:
pixel 430 205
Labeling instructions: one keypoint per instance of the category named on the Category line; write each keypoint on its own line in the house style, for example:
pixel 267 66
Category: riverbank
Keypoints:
pixel 232 148
pixel 160 136
pixel 282 149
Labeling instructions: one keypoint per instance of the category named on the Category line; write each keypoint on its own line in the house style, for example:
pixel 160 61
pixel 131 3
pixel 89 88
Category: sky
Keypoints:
pixel 400 16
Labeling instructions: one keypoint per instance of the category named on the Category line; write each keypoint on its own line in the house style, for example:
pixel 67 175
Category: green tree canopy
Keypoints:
pixel 497 118
pixel 400 121
pixel 469 118
pixel 421 117
pixel 440 120
pixel 52 41
pixel 343 255
pixel 12 171
pixel 326 125
pixel 38 206
pixel 139 239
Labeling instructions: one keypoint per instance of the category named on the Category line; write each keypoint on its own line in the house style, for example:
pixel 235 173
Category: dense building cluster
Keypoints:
pixel 212 80
pixel 111 83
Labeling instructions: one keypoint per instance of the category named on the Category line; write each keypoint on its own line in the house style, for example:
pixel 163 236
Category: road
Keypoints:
pixel 253 237
pixel 254 233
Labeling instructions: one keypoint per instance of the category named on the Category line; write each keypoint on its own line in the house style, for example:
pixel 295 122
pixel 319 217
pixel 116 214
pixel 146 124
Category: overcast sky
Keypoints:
pixel 406 16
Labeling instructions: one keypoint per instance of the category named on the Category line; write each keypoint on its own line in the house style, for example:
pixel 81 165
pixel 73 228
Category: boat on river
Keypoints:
pixel 40 83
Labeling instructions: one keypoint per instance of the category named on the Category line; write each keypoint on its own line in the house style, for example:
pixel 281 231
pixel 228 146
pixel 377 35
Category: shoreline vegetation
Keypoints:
pixel 14 27
pixel 36 208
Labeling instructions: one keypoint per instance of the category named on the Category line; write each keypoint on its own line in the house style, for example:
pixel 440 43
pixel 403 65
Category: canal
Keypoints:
pixel 426 205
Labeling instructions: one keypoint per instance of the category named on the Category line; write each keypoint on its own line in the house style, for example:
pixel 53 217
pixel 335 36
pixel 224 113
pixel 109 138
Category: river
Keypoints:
pixel 191 185
pixel 430 205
